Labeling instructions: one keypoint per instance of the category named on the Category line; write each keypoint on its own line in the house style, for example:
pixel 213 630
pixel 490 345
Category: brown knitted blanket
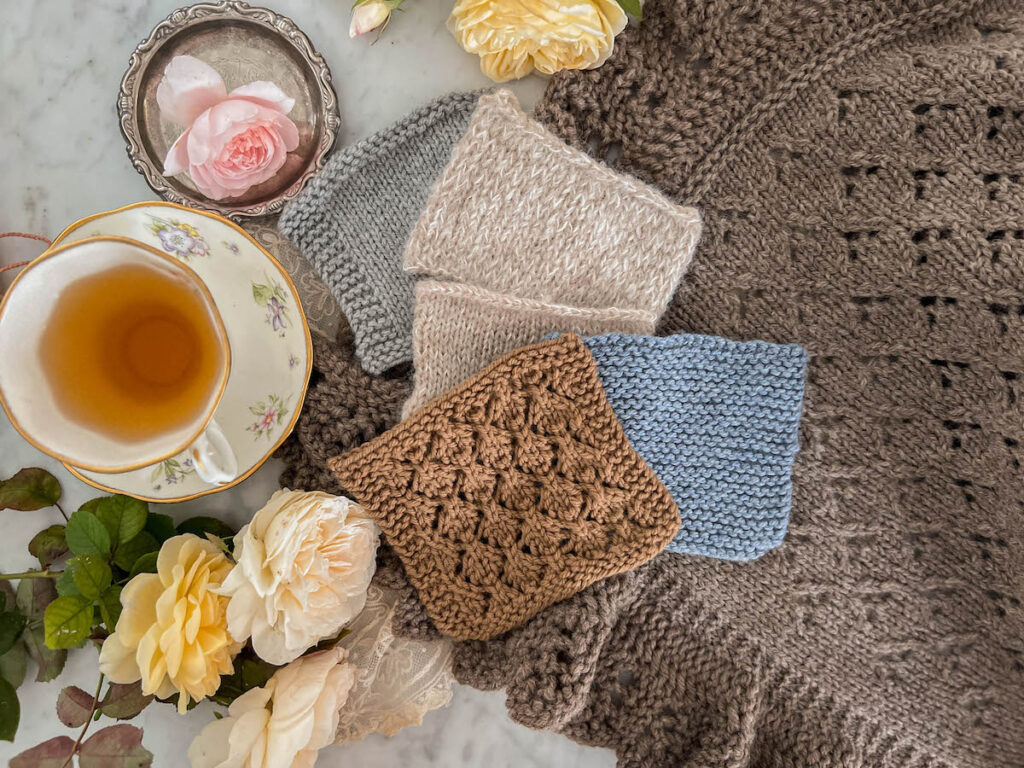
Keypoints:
pixel 860 168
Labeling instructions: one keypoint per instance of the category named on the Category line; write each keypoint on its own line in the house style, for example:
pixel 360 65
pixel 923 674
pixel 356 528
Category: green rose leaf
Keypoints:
pixel 122 516
pixel 7 596
pixel 33 597
pixel 55 753
pixel 49 661
pixel 66 584
pixel 91 575
pixel 633 7
pixel 29 489
pixel 12 623
pixel 127 554
pixel 110 606
pixel 14 664
pixel 160 527
pixel 74 706
pixel 86 535
pixel 116 746
pixel 49 545
pixel 201 526
pixel 10 711
pixel 145 564
pixel 124 701
pixel 67 621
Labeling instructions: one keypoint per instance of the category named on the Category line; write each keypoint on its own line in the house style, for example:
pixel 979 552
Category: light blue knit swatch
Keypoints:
pixel 717 422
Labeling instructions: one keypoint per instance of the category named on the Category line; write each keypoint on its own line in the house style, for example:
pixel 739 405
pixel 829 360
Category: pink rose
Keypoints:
pixel 233 140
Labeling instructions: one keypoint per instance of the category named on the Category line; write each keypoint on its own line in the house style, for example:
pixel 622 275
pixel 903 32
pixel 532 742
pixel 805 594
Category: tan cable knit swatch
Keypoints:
pixel 518 212
pixel 512 492
pixel 459 329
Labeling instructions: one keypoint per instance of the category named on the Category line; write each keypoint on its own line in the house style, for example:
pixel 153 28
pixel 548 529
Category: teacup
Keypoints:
pixel 115 358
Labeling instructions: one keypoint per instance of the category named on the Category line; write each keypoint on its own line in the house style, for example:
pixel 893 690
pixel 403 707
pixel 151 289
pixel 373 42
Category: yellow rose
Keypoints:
pixel 514 37
pixel 173 631
pixel 284 723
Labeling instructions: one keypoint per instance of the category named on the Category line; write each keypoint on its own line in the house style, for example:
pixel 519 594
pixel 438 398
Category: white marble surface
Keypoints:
pixel 62 158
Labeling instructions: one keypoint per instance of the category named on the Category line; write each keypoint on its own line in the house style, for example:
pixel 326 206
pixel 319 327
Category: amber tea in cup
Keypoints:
pixel 131 351
pixel 115 358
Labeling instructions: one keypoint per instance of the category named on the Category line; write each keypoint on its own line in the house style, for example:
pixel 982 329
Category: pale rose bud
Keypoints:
pixel 368 16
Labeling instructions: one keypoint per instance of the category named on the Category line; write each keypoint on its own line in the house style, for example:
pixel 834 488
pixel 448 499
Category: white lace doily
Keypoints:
pixel 399 679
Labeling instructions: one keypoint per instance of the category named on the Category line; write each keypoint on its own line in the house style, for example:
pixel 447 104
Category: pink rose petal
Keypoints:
pixel 189 87
pixel 177 156
pixel 266 94
pixel 236 141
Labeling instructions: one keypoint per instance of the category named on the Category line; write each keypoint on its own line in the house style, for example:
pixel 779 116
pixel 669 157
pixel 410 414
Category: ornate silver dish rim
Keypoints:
pixel 180 21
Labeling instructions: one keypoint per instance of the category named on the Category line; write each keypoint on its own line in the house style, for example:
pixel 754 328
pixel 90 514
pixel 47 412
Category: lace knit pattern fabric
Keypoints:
pixel 859 168
pixel 460 329
pixel 717 422
pixel 512 492
pixel 353 219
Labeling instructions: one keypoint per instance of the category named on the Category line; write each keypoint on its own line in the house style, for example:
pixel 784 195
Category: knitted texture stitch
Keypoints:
pixel 518 212
pixel 458 330
pixel 858 166
pixel 515 490
pixel 530 237
pixel 717 422
pixel 352 221
pixel 345 406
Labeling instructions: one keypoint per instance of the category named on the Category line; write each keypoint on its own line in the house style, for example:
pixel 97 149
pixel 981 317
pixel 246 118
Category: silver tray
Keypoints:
pixel 243 44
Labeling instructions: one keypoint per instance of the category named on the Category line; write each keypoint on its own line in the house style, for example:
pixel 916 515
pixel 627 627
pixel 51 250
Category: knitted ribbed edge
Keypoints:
pixel 517 211
pixel 717 422
pixel 511 492
pixel 353 219
pixel 459 329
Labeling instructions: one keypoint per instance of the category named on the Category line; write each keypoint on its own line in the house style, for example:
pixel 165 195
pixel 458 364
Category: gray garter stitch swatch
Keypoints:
pixel 353 219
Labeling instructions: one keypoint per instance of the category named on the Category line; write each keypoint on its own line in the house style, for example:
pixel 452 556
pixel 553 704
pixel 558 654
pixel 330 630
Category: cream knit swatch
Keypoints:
pixel 527 236
pixel 459 329
pixel 518 211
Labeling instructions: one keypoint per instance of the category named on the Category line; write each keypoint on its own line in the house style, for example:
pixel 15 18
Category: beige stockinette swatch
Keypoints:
pixel 523 236
pixel 460 329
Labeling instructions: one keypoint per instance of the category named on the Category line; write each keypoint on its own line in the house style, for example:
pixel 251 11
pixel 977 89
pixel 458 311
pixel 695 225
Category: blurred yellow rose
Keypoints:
pixel 514 37
pixel 173 630
pixel 283 724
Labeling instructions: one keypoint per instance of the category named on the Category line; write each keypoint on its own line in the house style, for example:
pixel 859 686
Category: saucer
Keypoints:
pixel 271 350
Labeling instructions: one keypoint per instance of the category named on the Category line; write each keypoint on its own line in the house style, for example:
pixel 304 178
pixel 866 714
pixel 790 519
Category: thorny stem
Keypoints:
pixel 88 722
pixel 30 575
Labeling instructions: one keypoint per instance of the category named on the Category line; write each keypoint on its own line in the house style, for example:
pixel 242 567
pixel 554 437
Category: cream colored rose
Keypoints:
pixel 285 723
pixel 173 633
pixel 514 37
pixel 304 563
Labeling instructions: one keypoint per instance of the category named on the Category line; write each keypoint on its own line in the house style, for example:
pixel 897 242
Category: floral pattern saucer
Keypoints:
pixel 271 350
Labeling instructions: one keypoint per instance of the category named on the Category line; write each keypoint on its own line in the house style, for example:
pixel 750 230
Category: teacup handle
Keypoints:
pixel 212 456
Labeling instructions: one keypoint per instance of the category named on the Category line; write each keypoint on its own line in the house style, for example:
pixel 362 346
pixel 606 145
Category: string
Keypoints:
pixel 28 235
